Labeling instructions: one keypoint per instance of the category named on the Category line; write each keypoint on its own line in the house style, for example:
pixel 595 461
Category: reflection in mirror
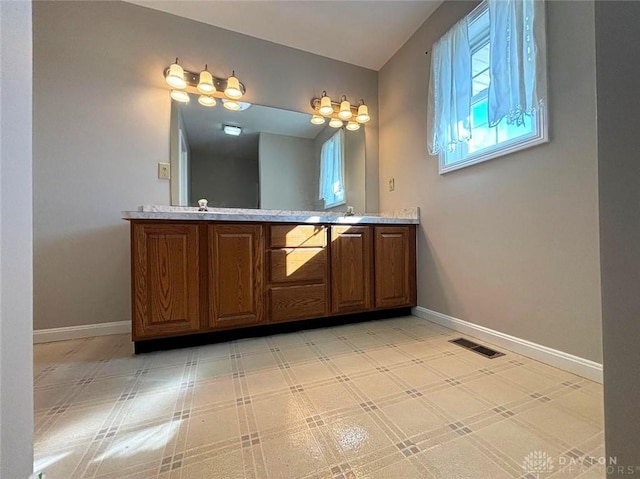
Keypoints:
pixel 275 162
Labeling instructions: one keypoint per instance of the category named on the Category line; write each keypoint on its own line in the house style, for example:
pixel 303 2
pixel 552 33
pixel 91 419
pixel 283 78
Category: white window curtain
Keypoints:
pixel 513 91
pixel 332 170
pixel 450 90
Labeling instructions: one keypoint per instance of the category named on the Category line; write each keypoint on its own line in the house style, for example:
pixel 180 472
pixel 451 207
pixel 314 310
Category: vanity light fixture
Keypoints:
pixel 233 87
pixel 363 113
pixel 205 82
pixel 326 108
pixel 180 95
pixel 174 76
pixel 235 105
pixel 339 112
pixel 231 105
pixel 232 130
pixel 345 109
pixel 206 100
pixel 210 87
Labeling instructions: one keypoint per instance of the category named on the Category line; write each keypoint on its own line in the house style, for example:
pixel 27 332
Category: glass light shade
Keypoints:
pixel 233 88
pixel 335 123
pixel 179 95
pixel 353 126
pixel 363 114
pixel 326 108
pixel 317 120
pixel 345 110
pixel 206 100
pixel 205 84
pixel 231 105
pixel 175 77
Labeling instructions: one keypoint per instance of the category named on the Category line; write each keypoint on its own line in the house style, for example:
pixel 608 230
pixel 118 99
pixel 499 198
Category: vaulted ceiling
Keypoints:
pixel 363 32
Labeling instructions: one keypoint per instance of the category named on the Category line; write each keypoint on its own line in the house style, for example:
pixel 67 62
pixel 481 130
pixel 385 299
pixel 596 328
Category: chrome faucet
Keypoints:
pixel 349 211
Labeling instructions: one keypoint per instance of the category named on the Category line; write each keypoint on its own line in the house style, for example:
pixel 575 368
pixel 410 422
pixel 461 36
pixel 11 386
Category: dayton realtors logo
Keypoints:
pixel 537 462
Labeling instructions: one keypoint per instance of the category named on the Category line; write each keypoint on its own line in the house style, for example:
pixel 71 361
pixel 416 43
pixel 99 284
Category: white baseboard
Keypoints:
pixel 77 332
pixel 568 362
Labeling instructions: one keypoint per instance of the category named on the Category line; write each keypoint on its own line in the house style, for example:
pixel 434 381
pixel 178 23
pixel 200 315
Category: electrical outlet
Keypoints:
pixel 392 184
pixel 164 171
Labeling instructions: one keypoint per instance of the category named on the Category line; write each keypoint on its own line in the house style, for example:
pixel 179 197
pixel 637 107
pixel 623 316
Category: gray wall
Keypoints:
pixel 617 53
pixel 354 157
pixel 16 290
pixel 226 178
pixel 288 173
pixel 510 244
pixel 101 124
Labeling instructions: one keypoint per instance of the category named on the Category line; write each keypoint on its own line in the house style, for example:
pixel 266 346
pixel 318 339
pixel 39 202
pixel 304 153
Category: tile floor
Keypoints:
pixel 381 399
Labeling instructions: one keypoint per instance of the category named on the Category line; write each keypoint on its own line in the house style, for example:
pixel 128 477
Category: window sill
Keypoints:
pixel 504 149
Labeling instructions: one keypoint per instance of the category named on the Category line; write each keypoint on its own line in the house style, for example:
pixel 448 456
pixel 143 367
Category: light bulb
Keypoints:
pixel 175 76
pixel 231 105
pixel 326 108
pixel 335 123
pixel 233 87
pixel 205 84
pixel 179 95
pixel 345 110
pixel 363 114
pixel 317 120
pixel 206 100
pixel 353 126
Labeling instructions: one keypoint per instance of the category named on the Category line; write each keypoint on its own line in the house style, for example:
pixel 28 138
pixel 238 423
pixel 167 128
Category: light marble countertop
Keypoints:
pixel 159 212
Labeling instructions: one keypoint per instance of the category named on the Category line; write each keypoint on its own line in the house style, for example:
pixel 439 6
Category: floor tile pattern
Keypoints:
pixel 380 399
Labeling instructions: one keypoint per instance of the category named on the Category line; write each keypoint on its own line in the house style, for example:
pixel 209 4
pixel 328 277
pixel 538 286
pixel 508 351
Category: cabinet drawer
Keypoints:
pixel 296 236
pixel 297 264
pixel 291 303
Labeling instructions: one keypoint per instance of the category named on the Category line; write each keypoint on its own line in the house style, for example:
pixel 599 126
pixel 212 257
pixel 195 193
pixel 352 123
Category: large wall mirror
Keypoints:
pixel 274 163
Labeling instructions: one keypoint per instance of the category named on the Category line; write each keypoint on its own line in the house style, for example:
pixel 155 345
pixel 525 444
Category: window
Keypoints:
pixel 477 138
pixel 332 170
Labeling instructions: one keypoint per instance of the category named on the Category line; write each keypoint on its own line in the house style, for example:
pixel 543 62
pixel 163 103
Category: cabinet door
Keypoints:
pixel 394 266
pixel 235 275
pixel 165 279
pixel 350 269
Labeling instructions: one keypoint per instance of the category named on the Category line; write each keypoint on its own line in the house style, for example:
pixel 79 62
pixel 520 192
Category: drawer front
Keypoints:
pixel 291 303
pixel 298 265
pixel 297 236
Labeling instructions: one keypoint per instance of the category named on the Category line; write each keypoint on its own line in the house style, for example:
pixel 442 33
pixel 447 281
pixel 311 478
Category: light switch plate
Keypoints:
pixel 164 171
pixel 392 184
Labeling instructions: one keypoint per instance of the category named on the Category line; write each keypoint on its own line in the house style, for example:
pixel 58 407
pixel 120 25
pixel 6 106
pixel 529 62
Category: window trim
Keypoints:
pixel 505 148
pixel 516 144
pixel 333 205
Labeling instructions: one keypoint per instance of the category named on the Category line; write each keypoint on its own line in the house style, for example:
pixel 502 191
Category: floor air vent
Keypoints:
pixel 477 348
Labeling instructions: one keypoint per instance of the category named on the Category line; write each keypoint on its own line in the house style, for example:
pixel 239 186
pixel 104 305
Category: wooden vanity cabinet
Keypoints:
pixel 351 269
pixel 235 266
pixel 395 266
pixel 200 276
pixel 190 277
pixel 165 268
pixel 297 272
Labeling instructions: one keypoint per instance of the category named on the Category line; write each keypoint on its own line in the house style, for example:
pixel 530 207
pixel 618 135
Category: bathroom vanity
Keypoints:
pixel 199 272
